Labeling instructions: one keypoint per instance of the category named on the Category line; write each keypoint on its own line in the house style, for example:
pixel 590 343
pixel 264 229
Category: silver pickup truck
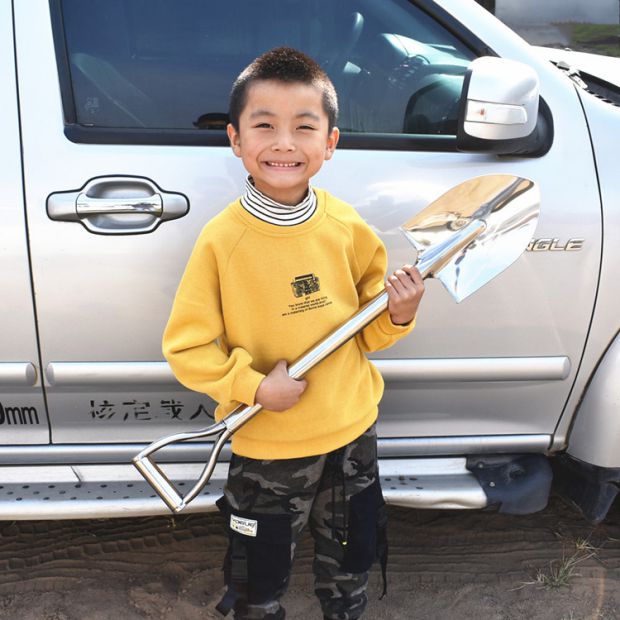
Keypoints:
pixel 114 155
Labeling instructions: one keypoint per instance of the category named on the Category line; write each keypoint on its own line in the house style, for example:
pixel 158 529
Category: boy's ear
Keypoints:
pixel 233 136
pixel 332 142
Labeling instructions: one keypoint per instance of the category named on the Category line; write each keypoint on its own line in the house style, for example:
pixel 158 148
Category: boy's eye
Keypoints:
pixel 262 125
pixel 310 127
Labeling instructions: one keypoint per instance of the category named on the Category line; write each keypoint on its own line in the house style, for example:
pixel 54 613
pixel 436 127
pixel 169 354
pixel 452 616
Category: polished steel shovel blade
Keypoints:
pixel 503 209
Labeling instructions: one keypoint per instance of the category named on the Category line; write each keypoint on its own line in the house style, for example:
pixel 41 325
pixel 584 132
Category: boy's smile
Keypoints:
pixel 283 137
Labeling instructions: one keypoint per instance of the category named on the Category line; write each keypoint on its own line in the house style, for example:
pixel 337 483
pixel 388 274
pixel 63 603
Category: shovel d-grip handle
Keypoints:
pixel 428 263
pixel 162 485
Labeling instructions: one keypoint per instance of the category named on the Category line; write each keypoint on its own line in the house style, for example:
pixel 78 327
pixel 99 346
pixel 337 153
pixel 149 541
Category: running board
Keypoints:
pixel 442 483
pixel 105 491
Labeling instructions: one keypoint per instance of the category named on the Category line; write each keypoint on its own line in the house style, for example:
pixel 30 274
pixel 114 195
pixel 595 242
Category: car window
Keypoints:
pixel 164 64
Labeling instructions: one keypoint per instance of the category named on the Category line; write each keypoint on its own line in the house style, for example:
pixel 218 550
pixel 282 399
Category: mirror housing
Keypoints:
pixel 501 110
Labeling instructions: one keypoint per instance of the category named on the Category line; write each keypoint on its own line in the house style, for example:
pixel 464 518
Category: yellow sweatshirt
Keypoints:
pixel 254 293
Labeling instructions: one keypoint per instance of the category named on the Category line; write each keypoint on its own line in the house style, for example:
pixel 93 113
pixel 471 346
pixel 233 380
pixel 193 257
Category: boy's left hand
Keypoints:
pixel 405 288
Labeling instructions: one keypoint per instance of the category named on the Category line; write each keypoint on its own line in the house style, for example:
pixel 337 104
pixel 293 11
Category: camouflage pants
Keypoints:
pixel 336 494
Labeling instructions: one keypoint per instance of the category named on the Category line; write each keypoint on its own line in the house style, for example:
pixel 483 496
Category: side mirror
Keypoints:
pixel 501 110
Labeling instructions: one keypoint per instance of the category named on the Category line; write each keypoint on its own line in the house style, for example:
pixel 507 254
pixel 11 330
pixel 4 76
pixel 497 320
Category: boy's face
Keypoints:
pixel 283 138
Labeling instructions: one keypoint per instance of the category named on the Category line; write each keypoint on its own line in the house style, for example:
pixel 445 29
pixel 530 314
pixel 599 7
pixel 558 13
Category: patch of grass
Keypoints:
pixel 583 545
pixel 559 573
pixel 597 38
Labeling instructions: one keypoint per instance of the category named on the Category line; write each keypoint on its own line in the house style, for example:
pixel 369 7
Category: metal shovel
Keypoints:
pixel 464 238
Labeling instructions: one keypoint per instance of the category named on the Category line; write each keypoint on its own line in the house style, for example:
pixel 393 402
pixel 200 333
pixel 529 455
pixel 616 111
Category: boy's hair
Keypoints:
pixel 283 64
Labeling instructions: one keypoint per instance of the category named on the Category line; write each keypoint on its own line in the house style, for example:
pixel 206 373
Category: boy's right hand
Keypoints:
pixel 277 391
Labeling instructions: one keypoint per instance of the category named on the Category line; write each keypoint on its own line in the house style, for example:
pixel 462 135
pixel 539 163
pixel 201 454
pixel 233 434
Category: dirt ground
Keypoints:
pixel 443 565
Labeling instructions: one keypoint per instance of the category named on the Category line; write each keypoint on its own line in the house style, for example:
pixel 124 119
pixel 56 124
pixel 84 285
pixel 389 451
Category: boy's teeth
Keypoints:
pixel 281 165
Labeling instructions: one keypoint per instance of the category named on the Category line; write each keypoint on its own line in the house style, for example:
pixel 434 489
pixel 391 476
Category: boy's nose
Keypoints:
pixel 283 142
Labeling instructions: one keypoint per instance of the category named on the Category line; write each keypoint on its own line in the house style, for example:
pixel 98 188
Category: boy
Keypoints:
pixel 273 273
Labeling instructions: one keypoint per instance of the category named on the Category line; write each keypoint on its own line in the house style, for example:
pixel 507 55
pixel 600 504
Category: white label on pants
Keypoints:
pixel 247 527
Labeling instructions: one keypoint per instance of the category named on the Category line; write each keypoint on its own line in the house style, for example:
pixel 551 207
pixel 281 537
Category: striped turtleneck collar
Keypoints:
pixel 272 212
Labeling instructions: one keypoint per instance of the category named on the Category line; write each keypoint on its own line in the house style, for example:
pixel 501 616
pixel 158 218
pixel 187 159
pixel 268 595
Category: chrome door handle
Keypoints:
pixel 86 205
pixel 117 205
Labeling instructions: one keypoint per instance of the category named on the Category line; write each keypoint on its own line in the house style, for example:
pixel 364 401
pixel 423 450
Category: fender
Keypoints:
pixel 589 472
pixel 595 434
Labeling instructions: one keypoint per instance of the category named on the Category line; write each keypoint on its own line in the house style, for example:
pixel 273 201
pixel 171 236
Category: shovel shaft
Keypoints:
pixel 337 338
pixel 242 414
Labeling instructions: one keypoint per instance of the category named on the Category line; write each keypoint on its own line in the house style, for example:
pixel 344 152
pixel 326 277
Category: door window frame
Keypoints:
pixel 82 134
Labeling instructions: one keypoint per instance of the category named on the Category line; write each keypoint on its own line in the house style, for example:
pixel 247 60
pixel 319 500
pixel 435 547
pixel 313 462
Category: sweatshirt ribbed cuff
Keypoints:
pixel 245 385
pixel 391 329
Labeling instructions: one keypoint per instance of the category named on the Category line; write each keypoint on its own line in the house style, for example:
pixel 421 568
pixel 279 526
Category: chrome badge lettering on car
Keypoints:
pixel 554 245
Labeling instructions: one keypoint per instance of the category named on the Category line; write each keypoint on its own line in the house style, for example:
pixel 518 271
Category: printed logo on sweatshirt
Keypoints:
pixel 305 285
pixel 304 288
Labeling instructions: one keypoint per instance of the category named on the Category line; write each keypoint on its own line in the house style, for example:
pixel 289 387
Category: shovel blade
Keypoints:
pixel 507 205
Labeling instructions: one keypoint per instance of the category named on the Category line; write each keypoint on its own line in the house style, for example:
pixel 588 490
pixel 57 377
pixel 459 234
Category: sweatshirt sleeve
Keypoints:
pixel 194 341
pixel 372 261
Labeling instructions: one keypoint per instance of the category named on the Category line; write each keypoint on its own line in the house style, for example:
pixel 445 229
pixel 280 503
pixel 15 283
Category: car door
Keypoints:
pixel 23 419
pixel 126 158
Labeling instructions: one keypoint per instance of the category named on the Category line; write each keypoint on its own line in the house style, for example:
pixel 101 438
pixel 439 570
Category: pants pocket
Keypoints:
pixel 258 560
pixel 366 530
